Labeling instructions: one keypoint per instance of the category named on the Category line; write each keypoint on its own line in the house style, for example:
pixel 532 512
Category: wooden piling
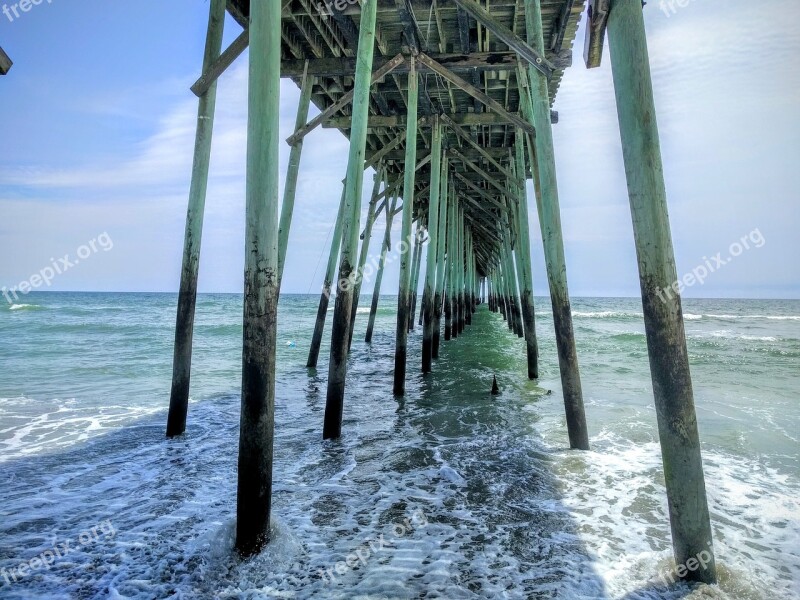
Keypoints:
pixel 187 295
pixel 450 249
pixel 429 298
pixel 362 257
pixel 256 429
pixel 292 171
pixel 440 259
pixel 403 304
pixel 416 262
pixel 526 269
pixel 376 292
pixel 327 288
pixel 663 317
pixel 340 330
pixel 550 220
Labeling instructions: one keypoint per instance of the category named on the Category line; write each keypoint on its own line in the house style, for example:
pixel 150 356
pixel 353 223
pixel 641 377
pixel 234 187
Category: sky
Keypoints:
pixel 97 132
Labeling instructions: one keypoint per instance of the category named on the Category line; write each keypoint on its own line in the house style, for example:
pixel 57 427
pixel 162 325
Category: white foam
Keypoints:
pixel 23 306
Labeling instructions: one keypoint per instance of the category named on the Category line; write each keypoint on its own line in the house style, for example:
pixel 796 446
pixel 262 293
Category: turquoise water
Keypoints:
pixel 489 501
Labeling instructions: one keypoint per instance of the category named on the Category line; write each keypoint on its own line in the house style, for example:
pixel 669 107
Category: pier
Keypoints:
pixel 449 103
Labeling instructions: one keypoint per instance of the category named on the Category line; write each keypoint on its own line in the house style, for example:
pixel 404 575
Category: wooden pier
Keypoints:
pixel 449 102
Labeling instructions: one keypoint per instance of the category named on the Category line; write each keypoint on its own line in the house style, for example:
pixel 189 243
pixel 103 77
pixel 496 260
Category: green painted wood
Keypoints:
pixel 440 260
pixel 550 221
pixel 416 263
pixel 376 292
pixel 362 257
pixel 187 294
pixel 433 241
pixel 257 422
pixel 450 285
pixel 403 304
pixel 663 317
pixel 526 269
pixel 327 288
pixel 292 171
pixel 340 330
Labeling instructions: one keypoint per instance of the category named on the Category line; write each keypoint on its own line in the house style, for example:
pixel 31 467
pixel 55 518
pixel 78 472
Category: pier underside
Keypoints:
pixel 449 102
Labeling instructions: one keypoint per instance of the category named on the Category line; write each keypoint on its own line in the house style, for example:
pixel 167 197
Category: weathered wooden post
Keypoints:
pixel 404 293
pixel 470 277
pixel 663 317
pixel 327 288
pixel 256 426
pixel 440 259
pixel 292 171
pixel 376 292
pixel 460 271
pixel 416 263
pixel 362 257
pixel 340 334
pixel 433 245
pixel 450 286
pixel 550 220
pixel 526 291
pixel 187 296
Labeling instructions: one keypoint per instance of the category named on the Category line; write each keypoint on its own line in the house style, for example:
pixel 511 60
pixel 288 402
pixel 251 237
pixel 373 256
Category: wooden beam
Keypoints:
pixel 480 149
pixel 462 119
pixel 560 26
pixel 409 26
pixel 342 102
pixel 224 61
pixel 511 39
pixel 487 176
pixel 482 193
pixel 373 160
pixel 495 153
pixel 5 62
pixel 236 10
pixel 597 19
pixel 474 92
pixel 458 63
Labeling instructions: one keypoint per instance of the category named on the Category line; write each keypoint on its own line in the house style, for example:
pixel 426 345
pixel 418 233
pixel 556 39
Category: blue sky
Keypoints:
pixel 97 131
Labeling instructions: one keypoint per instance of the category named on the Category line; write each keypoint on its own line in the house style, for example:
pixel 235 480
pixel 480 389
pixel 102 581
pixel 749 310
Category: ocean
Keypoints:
pixel 447 493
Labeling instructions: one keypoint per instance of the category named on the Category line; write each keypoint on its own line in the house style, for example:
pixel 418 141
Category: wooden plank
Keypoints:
pixel 5 62
pixel 342 102
pixel 224 61
pixel 474 92
pixel 511 39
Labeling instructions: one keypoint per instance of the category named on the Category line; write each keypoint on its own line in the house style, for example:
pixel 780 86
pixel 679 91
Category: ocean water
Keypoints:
pixel 448 493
